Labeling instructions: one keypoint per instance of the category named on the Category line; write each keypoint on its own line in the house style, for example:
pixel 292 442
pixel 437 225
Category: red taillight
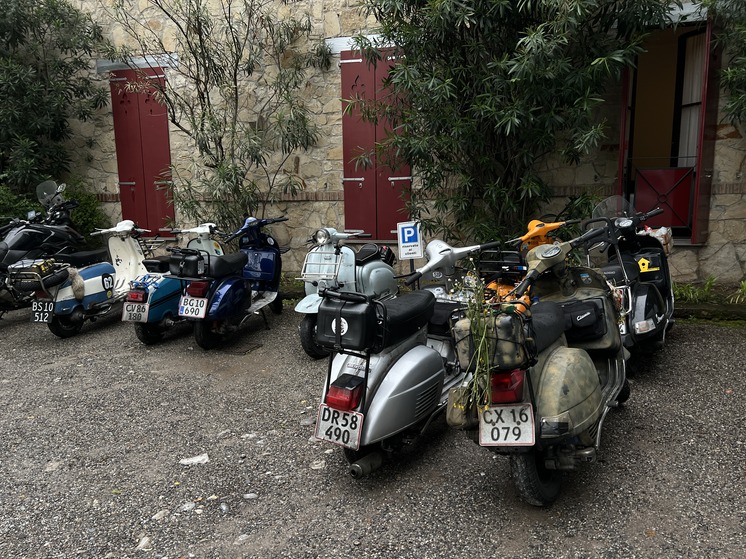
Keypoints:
pixel 507 386
pixel 197 288
pixel 344 394
pixel 137 296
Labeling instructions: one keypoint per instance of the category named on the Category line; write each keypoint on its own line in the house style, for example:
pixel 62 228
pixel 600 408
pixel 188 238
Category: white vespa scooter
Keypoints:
pixel 91 291
pixel 330 264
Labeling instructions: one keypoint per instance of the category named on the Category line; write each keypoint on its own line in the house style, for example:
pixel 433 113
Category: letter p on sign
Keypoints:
pixel 410 240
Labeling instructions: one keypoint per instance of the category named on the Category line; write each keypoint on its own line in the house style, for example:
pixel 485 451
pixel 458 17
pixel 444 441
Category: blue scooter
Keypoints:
pixel 152 303
pixel 222 292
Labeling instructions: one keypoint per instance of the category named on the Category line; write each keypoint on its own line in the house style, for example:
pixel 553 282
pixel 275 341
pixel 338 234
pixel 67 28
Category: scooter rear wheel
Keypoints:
pixel 148 334
pixel 536 484
pixel 307 330
pixel 64 326
pixel 205 334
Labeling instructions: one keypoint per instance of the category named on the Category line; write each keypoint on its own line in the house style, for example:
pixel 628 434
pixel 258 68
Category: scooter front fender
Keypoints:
pixel 647 305
pixel 408 394
pixel 309 304
pixel 230 299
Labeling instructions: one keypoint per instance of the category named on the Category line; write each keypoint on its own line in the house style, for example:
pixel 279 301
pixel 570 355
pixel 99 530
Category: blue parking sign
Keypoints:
pixel 410 240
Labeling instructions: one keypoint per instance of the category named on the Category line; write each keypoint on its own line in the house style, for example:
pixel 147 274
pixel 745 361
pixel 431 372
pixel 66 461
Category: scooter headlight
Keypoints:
pixel 321 237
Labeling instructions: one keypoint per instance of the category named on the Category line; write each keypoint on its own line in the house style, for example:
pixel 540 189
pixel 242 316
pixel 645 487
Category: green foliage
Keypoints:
pixel 739 296
pixel 88 216
pixel 697 293
pixel 46 48
pixel 488 89
pixel 730 16
pixel 236 92
pixel 14 205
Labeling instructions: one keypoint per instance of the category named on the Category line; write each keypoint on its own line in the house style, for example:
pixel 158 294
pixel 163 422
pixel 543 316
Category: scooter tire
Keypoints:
pixel 205 335
pixel 50 281
pixel 276 305
pixel 307 330
pixel 64 326
pixel 148 334
pixel 536 484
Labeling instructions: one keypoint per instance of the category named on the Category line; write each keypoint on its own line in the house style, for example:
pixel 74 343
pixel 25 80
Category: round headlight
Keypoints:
pixel 321 237
pixel 623 222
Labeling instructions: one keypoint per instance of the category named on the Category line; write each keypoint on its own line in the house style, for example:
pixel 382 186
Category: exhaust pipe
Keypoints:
pixel 365 465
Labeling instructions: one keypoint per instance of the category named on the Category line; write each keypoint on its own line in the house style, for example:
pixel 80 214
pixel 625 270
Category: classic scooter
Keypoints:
pixel 89 292
pixel 37 238
pixel 637 262
pixel 152 302
pixel 222 292
pixel 333 265
pixel 392 363
pixel 547 373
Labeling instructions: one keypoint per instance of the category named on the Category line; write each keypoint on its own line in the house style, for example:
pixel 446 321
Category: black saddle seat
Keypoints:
pixel 157 264
pixel 406 314
pixel 83 258
pixel 614 272
pixel 367 252
pixel 221 266
pixel 547 323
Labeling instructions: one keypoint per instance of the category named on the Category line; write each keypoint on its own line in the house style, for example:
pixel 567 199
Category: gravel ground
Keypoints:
pixel 95 430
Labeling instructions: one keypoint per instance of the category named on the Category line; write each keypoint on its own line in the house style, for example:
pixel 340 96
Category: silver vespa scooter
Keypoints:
pixel 388 377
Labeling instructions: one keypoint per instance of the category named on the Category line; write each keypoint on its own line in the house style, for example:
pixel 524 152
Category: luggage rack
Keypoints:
pixel 321 265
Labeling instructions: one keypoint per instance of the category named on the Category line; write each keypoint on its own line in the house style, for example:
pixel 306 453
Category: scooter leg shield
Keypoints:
pixel 568 397
pixel 408 394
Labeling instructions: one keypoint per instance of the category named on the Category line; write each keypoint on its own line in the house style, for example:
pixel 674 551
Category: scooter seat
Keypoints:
pixel 83 258
pixel 367 252
pixel 221 266
pixel 406 314
pixel 158 264
pixel 547 323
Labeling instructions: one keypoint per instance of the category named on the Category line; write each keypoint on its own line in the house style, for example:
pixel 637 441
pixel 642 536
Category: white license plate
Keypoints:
pixel 509 425
pixel 41 311
pixel 192 307
pixel 339 427
pixel 135 312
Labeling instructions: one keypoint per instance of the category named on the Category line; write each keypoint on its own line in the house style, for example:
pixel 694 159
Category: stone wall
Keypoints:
pixel 321 202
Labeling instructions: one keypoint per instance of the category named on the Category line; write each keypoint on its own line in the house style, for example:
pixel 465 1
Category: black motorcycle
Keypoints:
pixel 34 240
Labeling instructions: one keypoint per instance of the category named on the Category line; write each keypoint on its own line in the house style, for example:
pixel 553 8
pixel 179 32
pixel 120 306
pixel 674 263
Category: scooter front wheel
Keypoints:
pixel 205 334
pixel 307 330
pixel 536 484
pixel 65 326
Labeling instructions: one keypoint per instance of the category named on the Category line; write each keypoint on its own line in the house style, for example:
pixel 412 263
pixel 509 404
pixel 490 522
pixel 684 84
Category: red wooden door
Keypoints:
pixel 143 152
pixel 373 185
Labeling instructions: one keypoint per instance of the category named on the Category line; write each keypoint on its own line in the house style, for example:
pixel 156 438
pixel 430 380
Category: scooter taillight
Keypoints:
pixel 344 394
pixel 137 296
pixel 197 288
pixel 507 386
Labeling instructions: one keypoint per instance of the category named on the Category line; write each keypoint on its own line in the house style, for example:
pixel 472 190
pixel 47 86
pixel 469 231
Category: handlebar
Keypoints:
pixel 349 296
